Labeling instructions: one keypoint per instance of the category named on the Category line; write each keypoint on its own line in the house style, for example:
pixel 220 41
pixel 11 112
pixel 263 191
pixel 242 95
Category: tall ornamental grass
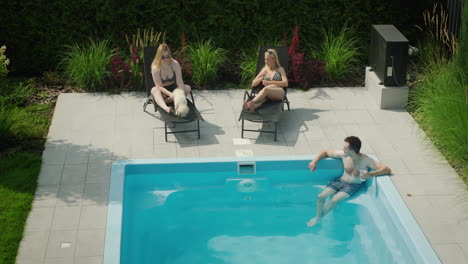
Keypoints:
pixel 206 61
pixel 87 66
pixel 340 52
pixel 438 45
pixel 440 103
pixel 248 66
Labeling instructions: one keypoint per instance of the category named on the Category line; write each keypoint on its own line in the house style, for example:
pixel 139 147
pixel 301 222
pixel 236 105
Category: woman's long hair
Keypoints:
pixel 273 54
pixel 157 59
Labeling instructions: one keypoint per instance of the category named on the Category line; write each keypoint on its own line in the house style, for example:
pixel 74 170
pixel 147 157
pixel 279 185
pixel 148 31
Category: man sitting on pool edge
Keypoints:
pixel 356 167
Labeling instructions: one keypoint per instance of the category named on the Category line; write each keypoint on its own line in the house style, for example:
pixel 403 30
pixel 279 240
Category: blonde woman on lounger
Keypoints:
pixel 167 76
pixel 273 79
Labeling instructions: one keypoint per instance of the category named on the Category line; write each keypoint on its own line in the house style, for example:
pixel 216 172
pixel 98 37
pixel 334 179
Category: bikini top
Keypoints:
pixel 276 77
pixel 172 79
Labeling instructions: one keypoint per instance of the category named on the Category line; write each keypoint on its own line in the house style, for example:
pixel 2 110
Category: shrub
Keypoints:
pixel 303 71
pixel 146 38
pixel 183 58
pixel 52 78
pixel 248 66
pixel 87 66
pixel 339 51
pixel 206 61
pixel 137 42
pixel 234 25
pixel 442 110
pixel 307 71
pixel 4 61
pixel 6 123
pixel 137 75
pixel 440 103
pixel 17 95
pixel 121 76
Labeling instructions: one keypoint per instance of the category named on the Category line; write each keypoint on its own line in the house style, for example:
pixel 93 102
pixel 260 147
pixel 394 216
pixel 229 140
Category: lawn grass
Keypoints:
pixel 18 182
pixel 20 160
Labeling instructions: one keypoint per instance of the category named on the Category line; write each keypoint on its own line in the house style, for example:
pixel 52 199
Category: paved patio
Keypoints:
pixel 88 132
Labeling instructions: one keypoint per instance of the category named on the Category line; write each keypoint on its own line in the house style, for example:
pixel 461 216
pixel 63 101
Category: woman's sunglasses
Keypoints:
pixel 270 53
pixel 165 57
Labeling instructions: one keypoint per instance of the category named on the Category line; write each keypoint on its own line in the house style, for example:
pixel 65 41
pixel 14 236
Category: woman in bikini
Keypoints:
pixel 167 76
pixel 273 79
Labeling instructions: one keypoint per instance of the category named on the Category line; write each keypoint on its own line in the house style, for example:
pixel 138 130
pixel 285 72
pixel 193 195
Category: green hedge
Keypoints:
pixel 36 31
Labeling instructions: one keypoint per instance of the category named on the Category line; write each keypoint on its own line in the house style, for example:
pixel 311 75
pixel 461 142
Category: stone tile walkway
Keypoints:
pixel 90 131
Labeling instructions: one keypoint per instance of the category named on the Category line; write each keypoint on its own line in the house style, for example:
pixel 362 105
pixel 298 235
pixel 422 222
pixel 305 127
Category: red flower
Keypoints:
pixel 135 58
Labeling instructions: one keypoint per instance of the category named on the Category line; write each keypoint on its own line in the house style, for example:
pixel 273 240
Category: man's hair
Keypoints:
pixel 354 143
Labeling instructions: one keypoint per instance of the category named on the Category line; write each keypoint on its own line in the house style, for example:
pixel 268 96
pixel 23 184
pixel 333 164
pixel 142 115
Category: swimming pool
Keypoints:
pixel 253 210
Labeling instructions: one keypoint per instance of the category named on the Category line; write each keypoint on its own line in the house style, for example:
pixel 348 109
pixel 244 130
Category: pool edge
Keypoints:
pixel 114 216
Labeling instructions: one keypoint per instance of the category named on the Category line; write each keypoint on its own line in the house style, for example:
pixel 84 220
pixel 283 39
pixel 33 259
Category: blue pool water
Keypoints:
pixel 210 212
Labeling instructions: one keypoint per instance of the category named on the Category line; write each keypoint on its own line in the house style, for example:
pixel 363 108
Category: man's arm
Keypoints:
pixel 323 154
pixel 379 169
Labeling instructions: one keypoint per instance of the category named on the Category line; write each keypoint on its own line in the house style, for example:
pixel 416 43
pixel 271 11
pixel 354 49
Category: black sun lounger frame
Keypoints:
pixel 270 111
pixel 193 115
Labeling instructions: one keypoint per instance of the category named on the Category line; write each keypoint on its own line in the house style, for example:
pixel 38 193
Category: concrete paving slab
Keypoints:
pixel 96 194
pixel 74 178
pixel 61 244
pixel 464 248
pixel 88 260
pixel 70 195
pixel 66 218
pixel 68 260
pixel 54 156
pixel 450 253
pixel 33 247
pixel 40 219
pixel 74 174
pixel 93 217
pixel 46 196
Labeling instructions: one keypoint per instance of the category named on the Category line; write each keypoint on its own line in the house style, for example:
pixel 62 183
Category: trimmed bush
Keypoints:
pixel 35 31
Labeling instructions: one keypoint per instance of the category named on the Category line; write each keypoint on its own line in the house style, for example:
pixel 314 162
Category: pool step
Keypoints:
pixel 248 184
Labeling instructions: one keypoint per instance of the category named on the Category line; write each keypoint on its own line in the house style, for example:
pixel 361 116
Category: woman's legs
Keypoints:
pixel 156 92
pixel 273 93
